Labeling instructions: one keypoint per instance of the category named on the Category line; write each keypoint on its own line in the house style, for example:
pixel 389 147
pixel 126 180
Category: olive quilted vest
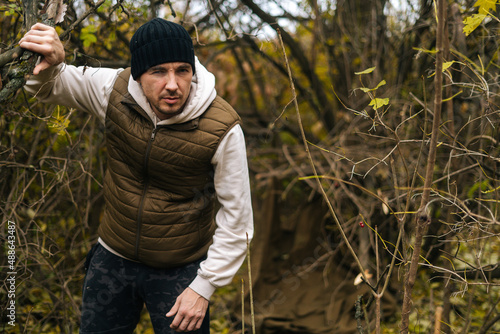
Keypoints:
pixel 159 187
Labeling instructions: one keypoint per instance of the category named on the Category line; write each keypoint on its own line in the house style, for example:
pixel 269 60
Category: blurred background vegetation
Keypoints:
pixel 363 71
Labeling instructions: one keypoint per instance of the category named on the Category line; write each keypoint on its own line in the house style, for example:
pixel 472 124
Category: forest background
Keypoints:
pixel 372 131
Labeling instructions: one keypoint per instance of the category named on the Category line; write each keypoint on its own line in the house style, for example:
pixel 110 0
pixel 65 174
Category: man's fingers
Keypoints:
pixel 189 310
pixel 175 323
pixel 184 325
pixel 41 35
pixel 198 324
pixel 39 38
pixel 35 39
pixel 41 26
pixel 173 310
pixel 43 65
pixel 187 322
pixel 28 44
pixel 43 39
pixel 179 319
pixel 37 33
pixel 191 326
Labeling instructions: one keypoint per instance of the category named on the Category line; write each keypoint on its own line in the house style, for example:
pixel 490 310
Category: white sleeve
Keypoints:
pixel 234 219
pixel 83 88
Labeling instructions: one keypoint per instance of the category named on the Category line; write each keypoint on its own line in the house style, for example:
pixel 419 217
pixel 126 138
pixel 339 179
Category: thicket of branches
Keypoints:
pixel 378 89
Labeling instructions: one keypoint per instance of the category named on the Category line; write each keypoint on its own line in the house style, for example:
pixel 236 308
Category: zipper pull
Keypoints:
pixel 153 134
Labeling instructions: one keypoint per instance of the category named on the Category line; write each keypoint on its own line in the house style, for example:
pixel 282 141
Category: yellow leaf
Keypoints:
pixel 486 5
pixel 446 65
pixel 369 70
pixel 425 50
pixel 59 123
pixel 472 22
pixel 381 83
pixel 450 98
pixel 377 103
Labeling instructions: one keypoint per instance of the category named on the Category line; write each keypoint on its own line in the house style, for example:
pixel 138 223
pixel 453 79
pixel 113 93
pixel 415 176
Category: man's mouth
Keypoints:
pixel 171 99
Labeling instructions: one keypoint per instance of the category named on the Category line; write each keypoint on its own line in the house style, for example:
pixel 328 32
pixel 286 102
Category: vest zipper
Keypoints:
pixel 144 191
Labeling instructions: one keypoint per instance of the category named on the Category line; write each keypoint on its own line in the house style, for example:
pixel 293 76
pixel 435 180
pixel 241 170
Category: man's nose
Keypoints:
pixel 171 82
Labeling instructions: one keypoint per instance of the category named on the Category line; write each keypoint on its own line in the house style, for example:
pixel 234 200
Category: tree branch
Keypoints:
pixel 423 216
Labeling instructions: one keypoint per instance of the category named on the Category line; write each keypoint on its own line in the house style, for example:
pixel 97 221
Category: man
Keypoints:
pixel 174 148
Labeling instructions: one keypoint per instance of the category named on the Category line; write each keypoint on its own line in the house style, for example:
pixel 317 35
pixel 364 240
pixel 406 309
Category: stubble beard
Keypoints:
pixel 167 111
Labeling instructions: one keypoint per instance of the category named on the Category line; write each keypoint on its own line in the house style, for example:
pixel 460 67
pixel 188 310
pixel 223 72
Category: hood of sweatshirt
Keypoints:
pixel 201 96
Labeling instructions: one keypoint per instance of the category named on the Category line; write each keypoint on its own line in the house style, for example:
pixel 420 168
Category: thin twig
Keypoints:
pixel 311 161
pixel 250 287
pixel 242 306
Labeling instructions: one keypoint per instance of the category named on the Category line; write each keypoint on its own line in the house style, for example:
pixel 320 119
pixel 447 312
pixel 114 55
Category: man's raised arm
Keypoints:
pixel 85 89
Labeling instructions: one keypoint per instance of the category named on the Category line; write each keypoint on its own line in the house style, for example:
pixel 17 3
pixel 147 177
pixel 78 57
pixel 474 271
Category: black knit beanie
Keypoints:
pixel 160 41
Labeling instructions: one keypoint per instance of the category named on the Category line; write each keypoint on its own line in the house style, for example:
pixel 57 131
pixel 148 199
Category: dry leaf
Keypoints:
pixel 359 279
pixel 56 10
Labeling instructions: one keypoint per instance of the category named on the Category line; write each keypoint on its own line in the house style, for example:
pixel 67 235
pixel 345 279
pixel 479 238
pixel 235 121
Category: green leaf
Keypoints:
pixel 377 103
pixel 369 70
pixel 87 35
pixel 478 186
pixel 472 22
pixel 12 9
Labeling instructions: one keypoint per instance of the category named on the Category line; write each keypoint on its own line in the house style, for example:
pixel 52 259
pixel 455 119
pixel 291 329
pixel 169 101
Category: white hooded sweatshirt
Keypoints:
pixel 88 89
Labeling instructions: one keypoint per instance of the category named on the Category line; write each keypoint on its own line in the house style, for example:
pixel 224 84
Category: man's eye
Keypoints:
pixel 156 71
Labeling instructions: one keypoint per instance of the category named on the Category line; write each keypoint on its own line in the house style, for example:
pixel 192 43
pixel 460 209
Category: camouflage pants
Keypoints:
pixel 115 291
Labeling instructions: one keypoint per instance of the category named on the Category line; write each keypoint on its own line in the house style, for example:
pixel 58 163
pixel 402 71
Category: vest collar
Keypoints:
pixel 129 101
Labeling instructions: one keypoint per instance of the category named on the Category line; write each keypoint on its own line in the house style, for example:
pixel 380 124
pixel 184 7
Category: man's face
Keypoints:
pixel 167 87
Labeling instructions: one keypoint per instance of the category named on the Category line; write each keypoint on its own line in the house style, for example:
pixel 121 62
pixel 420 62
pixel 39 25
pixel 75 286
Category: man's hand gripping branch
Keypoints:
pixel 44 40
